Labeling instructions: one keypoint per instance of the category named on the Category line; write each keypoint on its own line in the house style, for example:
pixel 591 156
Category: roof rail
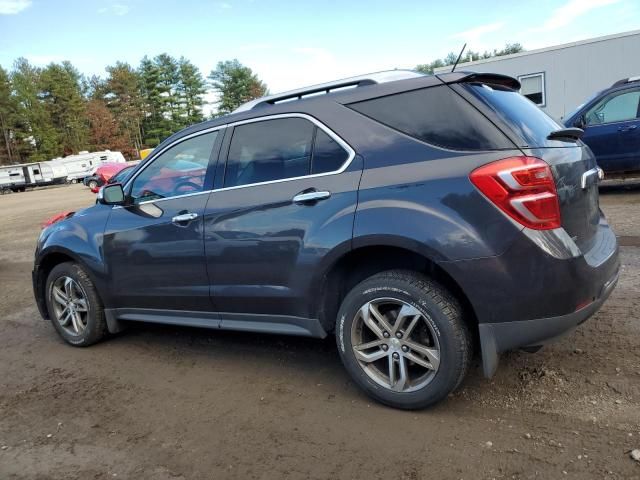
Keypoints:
pixel 626 80
pixel 300 93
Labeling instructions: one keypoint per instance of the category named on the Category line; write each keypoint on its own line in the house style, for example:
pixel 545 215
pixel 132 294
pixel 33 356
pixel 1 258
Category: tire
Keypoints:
pixel 91 318
pixel 92 184
pixel 431 328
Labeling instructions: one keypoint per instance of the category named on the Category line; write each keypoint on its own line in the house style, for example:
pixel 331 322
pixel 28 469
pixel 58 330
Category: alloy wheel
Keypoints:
pixel 70 306
pixel 395 344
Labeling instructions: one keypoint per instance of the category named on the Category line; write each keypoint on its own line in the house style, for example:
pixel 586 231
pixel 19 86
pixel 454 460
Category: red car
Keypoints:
pixel 107 171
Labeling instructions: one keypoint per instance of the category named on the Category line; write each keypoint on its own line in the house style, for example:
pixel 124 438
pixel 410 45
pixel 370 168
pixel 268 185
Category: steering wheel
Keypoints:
pixel 186 187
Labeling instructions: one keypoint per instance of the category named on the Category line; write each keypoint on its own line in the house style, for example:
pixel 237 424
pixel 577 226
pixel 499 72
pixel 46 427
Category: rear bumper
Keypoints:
pixel 540 288
pixel 496 338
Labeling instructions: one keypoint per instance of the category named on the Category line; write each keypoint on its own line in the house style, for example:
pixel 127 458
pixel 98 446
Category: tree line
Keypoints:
pixel 469 56
pixel 53 111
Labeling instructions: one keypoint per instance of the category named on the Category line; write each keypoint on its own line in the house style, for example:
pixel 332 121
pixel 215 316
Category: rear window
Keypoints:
pixel 530 124
pixel 435 115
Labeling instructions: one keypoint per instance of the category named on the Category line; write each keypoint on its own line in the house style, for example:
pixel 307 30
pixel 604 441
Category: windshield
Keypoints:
pixel 575 110
pixel 530 124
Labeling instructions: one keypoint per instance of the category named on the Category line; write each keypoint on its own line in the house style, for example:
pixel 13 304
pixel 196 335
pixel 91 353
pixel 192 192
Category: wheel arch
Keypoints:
pixel 360 263
pixel 47 261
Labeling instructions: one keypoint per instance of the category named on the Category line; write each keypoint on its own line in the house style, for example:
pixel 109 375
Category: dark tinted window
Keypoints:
pixel 527 121
pixel 269 150
pixel 435 115
pixel 328 156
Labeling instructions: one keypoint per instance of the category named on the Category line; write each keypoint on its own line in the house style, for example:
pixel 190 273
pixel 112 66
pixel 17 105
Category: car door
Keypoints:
pixel 286 198
pixel 153 246
pixel 612 131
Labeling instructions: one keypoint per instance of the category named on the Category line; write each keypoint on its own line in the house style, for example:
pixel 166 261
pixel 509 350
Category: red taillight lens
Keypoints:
pixel 523 188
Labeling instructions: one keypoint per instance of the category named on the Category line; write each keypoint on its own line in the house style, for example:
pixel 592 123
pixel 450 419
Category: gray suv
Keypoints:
pixel 419 219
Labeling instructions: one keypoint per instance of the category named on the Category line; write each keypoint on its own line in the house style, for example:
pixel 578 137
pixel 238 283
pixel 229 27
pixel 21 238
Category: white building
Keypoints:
pixel 562 77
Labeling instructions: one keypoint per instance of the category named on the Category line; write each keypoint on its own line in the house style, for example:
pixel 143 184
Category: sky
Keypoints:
pixel 294 43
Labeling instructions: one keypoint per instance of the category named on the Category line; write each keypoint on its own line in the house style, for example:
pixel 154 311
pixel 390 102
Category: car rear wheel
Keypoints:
pixel 74 306
pixel 92 184
pixel 403 340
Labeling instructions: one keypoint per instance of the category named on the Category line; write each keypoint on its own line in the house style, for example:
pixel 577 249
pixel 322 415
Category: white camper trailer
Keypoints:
pixel 12 178
pixel 85 163
pixel 54 173
pixel 19 177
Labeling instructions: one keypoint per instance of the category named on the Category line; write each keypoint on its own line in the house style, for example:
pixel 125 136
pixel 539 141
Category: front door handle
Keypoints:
pixel 627 128
pixel 184 218
pixel 311 197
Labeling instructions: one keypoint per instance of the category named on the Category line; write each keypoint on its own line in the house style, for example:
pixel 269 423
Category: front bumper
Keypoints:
pixel 496 338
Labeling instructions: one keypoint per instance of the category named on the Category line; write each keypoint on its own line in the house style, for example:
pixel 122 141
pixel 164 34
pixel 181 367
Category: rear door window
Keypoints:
pixel 277 149
pixel 435 115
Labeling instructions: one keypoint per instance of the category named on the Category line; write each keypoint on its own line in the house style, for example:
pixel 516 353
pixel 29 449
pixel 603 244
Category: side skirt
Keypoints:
pixel 243 322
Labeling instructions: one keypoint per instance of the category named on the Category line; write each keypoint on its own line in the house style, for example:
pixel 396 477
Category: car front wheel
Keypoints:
pixel 92 184
pixel 403 340
pixel 74 306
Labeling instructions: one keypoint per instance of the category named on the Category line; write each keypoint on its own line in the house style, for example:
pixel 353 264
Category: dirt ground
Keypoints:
pixel 159 402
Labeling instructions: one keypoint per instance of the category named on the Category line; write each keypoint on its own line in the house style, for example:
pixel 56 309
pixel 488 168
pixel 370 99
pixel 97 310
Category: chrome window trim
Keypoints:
pixel 263 118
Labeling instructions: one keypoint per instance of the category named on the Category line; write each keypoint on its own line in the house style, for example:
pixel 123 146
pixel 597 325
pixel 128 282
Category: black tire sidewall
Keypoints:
pixel 95 318
pixel 447 376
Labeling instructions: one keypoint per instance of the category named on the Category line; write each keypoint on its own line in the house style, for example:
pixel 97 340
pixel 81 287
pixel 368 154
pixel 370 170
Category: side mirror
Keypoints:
pixel 580 122
pixel 111 194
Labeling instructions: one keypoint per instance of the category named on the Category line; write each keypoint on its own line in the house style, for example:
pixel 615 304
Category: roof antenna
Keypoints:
pixel 459 57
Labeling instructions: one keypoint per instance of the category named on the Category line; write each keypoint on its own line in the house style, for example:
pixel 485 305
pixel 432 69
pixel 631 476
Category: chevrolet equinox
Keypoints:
pixel 416 218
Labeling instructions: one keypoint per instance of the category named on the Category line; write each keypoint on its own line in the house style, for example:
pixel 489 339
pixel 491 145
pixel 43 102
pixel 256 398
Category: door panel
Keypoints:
pixel 262 248
pixel 154 246
pixel 155 263
pixel 629 141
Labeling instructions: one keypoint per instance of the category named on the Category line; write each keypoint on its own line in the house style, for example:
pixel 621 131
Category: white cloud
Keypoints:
pixel 118 9
pixel 474 34
pixel 11 7
pixel 570 11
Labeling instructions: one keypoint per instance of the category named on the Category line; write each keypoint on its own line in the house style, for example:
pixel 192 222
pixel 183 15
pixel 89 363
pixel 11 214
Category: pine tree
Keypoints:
pixel 169 77
pixel 191 90
pixel 61 94
pixel 121 92
pixel 36 138
pixel 235 85
pixel 7 117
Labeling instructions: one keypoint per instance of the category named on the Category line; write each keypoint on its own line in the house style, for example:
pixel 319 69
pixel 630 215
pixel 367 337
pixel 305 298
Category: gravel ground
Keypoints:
pixel 159 402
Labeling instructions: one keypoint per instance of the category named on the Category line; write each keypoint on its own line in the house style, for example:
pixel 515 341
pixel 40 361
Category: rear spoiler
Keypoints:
pixel 488 78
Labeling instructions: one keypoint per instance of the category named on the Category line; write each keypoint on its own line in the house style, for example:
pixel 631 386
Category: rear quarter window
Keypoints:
pixel 435 115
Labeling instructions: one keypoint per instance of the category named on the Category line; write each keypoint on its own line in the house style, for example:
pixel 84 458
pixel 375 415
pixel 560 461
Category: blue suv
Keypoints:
pixel 611 123
pixel 418 219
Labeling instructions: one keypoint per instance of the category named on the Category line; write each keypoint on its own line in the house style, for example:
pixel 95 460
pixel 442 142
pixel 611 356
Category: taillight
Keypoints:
pixel 523 188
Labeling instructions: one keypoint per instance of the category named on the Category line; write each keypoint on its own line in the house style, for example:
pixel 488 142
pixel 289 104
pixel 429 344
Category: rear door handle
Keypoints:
pixel 311 197
pixel 627 128
pixel 184 217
